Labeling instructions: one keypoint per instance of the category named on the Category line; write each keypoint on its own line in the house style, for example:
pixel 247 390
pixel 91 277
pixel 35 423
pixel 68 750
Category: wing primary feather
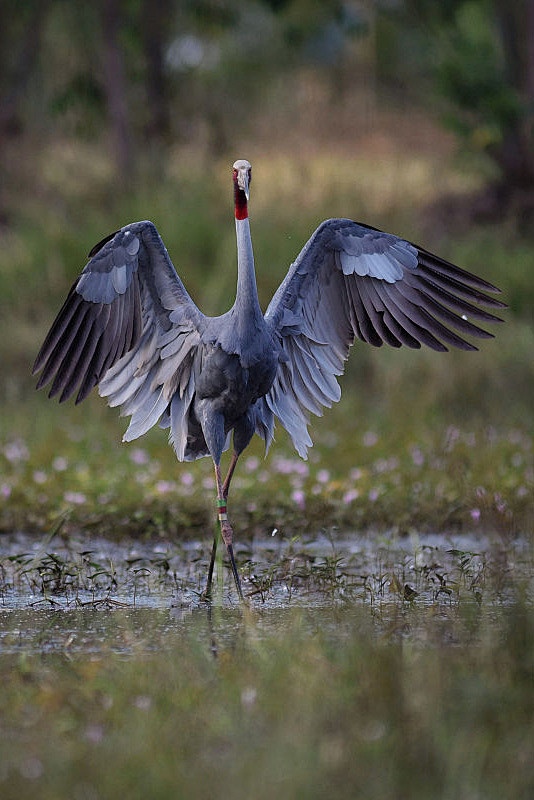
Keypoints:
pixel 366 326
pixel 137 314
pixel 421 317
pixel 432 306
pixel 122 326
pixel 446 268
pixel 387 293
pixel 79 370
pixel 442 295
pixel 111 340
pixel 69 308
pixel 451 284
pixel 70 360
pixel 102 350
pixel 129 311
pixel 117 341
pixel 375 312
pixel 93 373
pixel 400 332
pixel 58 355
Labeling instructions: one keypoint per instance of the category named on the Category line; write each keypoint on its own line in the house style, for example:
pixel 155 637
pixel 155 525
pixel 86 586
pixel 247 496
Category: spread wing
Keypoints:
pixel 351 280
pixel 129 326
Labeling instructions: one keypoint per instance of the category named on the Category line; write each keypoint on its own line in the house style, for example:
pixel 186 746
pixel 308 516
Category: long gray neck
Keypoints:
pixel 246 302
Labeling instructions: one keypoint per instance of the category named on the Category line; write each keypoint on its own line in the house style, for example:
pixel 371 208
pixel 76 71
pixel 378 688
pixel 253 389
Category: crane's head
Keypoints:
pixel 242 177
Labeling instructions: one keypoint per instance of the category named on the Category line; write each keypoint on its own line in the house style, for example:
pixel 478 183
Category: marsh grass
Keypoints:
pixel 371 467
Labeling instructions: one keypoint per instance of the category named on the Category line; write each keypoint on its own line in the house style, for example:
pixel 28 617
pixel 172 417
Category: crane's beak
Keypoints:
pixel 243 181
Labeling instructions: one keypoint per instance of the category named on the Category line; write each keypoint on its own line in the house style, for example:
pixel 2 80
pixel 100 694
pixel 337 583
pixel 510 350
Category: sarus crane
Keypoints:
pixel 129 327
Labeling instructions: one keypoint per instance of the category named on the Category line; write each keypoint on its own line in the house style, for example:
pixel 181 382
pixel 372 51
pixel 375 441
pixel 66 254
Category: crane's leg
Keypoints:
pixel 227 534
pixel 225 488
pixel 212 564
pixel 229 476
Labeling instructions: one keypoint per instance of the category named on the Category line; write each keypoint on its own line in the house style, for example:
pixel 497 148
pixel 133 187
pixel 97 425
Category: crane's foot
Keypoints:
pixel 206 595
pixel 227 535
pixel 234 570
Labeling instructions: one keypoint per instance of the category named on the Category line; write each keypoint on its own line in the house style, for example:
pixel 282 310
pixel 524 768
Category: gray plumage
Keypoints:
pixel 130 327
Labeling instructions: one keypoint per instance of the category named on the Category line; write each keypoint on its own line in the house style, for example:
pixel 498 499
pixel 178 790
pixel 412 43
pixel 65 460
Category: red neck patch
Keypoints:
pixel 241 209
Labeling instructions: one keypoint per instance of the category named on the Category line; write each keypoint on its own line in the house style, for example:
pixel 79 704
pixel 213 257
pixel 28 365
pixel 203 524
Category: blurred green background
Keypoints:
pixel 413 116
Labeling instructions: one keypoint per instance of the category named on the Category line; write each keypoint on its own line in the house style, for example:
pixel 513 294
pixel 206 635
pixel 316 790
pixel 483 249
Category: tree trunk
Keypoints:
pixel 14 85
pixel 116 90
pixel 156 15
pixel 515 154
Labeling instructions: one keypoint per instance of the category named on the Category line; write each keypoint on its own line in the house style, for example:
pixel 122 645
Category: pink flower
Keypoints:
pixel 475 514
pixel 370 439
pixel 298 498
pixel 139 456
pixel 77 498
pixel 323 476
pixel 16 451
pixel 165 486
pixel 350 496
pixel 5 491
pixel 417 457
pixel 288 465
pixel 187 479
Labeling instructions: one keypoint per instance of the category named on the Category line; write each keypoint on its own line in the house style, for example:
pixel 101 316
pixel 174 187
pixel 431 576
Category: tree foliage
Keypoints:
pixel 482 63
